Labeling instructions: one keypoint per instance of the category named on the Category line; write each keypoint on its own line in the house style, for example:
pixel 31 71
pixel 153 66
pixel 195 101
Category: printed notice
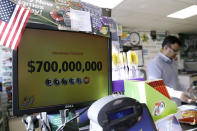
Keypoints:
pixel 80 20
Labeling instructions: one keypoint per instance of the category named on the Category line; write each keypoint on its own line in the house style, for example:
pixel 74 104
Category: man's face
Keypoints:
pixel 172 50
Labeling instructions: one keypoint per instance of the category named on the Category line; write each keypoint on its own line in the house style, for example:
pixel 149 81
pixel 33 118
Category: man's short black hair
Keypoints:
pixel 170 40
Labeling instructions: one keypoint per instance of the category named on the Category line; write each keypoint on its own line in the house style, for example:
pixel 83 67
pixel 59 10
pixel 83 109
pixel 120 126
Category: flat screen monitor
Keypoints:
pixel 53 70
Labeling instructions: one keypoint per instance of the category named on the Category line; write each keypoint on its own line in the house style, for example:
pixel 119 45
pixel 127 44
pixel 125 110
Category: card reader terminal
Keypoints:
pixel 114 112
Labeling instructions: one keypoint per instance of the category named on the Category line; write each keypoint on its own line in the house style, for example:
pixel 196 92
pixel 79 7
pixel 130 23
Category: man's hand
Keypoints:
pixel 189 90
pixel 185 98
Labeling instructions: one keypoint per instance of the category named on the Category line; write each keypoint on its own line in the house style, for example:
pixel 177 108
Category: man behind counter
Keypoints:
pixel 163 66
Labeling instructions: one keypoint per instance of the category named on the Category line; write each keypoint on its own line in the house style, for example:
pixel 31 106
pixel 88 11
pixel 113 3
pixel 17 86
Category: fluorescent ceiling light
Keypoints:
pixel 104 3
pixel 185 13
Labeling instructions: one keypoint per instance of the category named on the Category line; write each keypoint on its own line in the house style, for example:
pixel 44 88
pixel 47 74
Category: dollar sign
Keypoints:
pixel 31 66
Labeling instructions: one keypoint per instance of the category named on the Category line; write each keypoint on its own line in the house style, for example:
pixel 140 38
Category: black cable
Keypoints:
pixel 63 125
pixel 44 125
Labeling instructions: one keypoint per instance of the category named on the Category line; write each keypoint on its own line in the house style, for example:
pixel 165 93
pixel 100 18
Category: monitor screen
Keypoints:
pixel 53 70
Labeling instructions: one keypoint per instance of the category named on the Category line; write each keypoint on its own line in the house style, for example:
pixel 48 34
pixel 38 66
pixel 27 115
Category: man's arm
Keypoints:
pixel 180 95
pixel 154 71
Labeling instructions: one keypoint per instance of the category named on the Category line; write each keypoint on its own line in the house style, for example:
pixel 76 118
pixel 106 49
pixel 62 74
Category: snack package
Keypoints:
pixel 189 117
pixel 187 114
pixel 168 123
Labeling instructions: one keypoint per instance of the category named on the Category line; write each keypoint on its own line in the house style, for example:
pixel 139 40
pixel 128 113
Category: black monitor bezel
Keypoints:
pixel 54 108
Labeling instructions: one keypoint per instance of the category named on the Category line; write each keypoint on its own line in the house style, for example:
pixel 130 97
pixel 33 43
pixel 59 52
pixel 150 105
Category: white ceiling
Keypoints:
pixel 144 15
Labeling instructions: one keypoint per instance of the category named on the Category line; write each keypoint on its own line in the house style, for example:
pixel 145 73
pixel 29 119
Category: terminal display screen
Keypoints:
pixel 59 69
pixel 121 114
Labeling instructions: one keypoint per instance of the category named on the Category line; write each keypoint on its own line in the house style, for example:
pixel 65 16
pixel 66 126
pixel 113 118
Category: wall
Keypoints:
pixel 151 47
